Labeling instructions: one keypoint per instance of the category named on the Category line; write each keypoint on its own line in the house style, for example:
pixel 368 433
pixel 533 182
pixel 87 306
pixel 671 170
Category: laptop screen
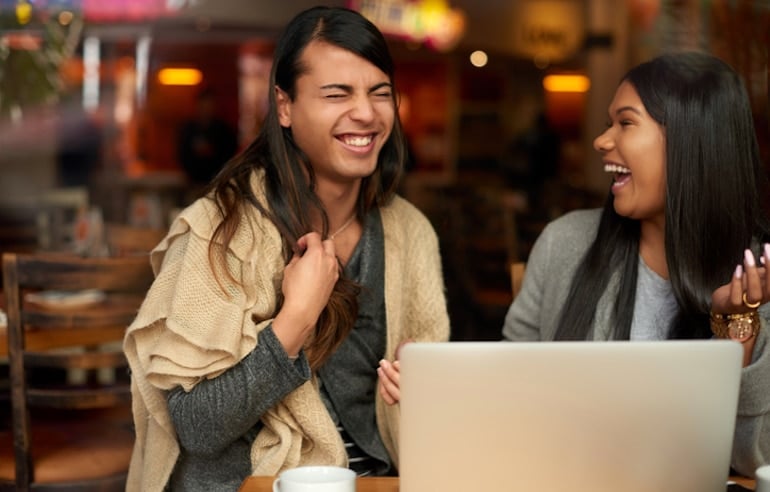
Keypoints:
pixel 577 416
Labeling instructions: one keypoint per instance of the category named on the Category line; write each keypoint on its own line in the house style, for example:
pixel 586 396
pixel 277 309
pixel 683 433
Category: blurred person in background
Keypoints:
pixel 205 143
pixel 79 145
pixel 681 248
pixel 542 147
pixel 270 336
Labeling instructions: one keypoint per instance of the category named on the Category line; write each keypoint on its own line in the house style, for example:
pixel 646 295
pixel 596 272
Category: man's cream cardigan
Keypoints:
pixel 187 329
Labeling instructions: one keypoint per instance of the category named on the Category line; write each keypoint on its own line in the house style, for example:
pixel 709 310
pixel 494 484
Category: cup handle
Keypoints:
pixel 277 485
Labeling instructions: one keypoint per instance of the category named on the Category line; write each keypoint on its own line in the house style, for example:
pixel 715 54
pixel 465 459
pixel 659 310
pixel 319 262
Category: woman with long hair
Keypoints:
pixel 679 249
pixel 269 338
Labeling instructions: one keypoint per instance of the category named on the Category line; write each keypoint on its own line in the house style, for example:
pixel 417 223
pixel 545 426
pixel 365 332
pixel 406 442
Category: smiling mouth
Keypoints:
pixel 356 140
pixel 621 173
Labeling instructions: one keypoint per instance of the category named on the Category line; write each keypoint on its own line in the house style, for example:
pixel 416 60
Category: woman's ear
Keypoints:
pixel 283 103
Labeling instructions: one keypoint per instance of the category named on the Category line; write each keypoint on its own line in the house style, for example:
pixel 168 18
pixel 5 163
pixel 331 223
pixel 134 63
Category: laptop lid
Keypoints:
pixel 577 416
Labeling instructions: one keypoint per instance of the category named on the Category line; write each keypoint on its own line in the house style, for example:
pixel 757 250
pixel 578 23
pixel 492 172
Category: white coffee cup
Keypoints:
pixel 763 479
pixel 316 479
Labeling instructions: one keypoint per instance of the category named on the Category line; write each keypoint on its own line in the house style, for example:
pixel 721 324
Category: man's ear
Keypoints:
pixel 283 103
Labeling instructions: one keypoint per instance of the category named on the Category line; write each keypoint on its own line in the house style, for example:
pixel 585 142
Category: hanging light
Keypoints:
pixel 566 83
pixel 180 76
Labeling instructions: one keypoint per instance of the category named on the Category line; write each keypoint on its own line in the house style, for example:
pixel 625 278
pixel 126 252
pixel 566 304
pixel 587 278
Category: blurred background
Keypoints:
pixel 119 111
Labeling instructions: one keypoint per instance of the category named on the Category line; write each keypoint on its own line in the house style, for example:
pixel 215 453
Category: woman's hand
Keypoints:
pixel 750 279
pixel 389 383
pixel 748 289
pixel 308 281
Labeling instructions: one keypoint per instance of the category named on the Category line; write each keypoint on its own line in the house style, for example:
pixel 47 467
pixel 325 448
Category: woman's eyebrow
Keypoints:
pixel 380 86
pixel 341 87
pixel 349 88
pixel 628 108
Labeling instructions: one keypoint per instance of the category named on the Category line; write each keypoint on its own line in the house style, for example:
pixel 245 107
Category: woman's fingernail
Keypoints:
pixel 749 257
pixel 738 271
pixel 767 250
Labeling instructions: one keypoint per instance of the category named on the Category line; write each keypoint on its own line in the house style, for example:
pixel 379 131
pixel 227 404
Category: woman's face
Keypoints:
pixel 633 149
pixel 342 115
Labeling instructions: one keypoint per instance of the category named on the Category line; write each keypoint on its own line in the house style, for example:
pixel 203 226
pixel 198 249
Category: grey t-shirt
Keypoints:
pixel 655 306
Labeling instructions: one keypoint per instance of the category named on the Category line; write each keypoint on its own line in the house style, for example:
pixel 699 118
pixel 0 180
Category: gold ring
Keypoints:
pixel 750 305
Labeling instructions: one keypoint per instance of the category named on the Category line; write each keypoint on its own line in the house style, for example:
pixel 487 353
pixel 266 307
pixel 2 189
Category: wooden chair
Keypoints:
pixel 74 437
pixel 517 276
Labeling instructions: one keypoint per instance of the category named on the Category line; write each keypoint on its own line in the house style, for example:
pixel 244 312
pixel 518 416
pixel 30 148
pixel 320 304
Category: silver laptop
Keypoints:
pixel 568 416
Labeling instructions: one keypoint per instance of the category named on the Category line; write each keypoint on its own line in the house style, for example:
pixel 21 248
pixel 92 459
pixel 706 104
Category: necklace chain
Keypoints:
pixel 343 227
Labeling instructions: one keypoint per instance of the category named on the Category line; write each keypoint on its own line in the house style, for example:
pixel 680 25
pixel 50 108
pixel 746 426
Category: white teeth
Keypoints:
pixel 358 141
pixel 614 168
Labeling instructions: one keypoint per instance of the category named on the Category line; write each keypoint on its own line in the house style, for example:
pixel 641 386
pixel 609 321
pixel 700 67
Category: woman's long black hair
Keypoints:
pixel 715 184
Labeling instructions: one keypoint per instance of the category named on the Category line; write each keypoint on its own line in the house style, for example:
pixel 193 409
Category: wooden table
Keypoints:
pixel 749 483
pixel 366 484
pixel 388 484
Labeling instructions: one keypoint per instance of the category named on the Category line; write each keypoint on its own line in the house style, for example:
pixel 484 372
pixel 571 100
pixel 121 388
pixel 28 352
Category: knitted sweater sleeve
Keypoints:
pixel 751 443
pixel 218 411
pixel 523 320
pixel 535 312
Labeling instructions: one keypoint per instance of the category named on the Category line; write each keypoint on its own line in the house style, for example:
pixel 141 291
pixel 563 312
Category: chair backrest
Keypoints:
pixel 18 228
pixel 69 314
pixel 517 276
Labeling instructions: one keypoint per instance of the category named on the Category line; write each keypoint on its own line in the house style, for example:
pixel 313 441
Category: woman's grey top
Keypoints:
pixel 535 315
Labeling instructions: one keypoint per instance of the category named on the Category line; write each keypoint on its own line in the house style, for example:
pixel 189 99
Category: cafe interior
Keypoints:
pixel 500 101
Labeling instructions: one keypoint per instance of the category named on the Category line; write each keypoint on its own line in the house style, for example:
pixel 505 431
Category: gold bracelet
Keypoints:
pixel 739 327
